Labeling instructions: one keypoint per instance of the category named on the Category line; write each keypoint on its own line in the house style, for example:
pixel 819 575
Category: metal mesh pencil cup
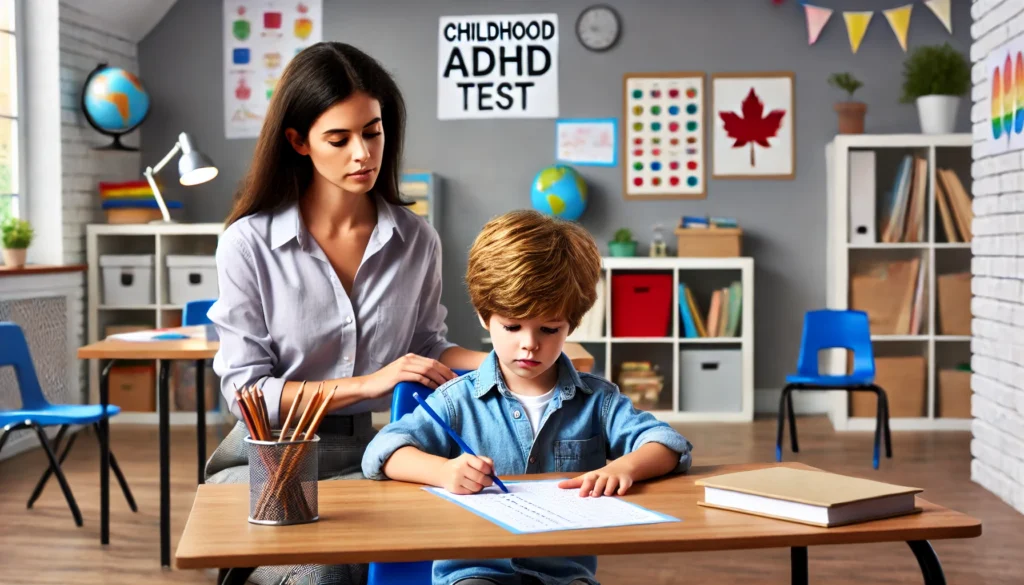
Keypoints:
pixel 283 481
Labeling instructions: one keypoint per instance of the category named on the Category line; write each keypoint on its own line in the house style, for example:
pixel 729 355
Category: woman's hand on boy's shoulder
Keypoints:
pixel 408 368
pixel 613 479
pixel 466 474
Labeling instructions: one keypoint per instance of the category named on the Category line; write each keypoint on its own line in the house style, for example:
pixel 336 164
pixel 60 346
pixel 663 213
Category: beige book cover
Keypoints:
pixel 817 488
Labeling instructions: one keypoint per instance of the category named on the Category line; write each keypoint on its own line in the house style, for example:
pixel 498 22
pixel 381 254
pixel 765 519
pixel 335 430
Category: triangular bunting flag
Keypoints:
pixel 856 26
pixel 816 19
pixel 899 20
pixel 941 10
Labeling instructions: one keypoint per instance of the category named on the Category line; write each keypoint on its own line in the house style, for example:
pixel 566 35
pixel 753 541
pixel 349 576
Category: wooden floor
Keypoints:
pixel 43 545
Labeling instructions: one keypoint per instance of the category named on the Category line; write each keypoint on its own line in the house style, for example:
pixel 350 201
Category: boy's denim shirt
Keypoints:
pixel 587 422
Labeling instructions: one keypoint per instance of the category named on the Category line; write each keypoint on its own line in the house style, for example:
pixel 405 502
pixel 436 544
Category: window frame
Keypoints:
pixel 18 201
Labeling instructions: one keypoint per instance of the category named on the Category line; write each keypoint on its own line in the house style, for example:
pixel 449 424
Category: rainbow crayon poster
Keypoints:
pixel 1005 68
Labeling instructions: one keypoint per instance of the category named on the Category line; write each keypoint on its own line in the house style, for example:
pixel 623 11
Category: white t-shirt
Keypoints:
pixel 535 406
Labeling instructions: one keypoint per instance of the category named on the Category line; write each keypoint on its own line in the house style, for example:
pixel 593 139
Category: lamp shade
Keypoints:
pixel 195 167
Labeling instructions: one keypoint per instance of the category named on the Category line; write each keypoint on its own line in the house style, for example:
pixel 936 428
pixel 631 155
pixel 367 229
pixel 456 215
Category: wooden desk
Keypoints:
pixel 365 521
pixel 199 348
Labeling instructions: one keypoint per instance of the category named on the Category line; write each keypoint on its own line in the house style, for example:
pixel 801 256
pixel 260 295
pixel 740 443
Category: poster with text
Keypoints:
pixel 260 38
pixel 503 66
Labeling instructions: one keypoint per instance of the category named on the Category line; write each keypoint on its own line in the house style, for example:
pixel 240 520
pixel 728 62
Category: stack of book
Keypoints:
pixel 131 202
pixel 904 208
pixel 891 292
pixel 722 318
pixel 700 222
pixel 641 383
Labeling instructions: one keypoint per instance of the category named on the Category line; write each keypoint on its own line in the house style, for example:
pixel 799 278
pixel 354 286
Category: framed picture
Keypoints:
pixel 587 141
pixel 663 136
pixel 752 126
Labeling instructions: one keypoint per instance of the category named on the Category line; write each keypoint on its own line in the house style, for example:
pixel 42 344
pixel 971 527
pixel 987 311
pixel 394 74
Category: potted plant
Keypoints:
pixel 16 235
pixel 851 113
pixel 622 244
pixel 934 77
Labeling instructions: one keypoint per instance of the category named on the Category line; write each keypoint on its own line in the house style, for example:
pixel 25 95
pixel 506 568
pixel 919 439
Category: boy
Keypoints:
pixel 527 410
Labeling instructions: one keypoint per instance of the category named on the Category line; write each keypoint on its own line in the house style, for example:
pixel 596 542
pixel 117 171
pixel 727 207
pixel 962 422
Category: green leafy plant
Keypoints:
pixel 17 234
pixel 846 82
pixel 623 235
pixel 935 70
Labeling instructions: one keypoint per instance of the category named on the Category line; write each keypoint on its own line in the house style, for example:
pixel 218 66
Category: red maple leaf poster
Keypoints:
pixel 751 126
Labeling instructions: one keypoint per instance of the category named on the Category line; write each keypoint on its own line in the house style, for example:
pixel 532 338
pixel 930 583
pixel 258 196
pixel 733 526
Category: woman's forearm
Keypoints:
pixel 349 391
pixel 460 358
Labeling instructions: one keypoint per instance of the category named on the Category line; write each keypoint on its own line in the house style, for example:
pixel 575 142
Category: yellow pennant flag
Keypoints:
pixel 856 26
pixel 941 10
pixel 899 20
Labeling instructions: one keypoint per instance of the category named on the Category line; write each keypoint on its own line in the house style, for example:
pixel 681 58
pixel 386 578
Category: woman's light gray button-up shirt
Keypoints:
pixel 282 313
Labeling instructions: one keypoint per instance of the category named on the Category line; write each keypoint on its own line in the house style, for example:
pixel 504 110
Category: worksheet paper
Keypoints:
pixel 541 506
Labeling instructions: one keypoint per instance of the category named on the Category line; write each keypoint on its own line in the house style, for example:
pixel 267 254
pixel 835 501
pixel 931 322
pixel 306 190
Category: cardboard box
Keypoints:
pixel 133 388
pixel 954 292
pixel 183 387
pixel 954 394
pixel 709 242
pixel 903 378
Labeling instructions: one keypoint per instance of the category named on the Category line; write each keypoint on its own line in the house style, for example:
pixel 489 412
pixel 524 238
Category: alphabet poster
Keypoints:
pixel 260 39
pixel 503 66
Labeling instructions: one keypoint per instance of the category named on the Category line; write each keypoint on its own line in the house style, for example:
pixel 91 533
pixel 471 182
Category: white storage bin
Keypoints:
pixel 711 380
pixel 127 279
pixel 191 278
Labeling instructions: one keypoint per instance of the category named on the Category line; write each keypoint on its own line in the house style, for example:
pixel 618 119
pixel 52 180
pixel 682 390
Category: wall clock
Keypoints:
pixel 598 27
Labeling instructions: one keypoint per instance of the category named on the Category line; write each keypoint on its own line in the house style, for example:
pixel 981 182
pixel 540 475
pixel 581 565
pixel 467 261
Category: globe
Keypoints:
pixel 559 191
pixel 114 103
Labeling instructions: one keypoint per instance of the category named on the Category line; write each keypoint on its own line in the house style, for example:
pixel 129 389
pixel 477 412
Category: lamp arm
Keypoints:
pixel 150 171
pixel 163 162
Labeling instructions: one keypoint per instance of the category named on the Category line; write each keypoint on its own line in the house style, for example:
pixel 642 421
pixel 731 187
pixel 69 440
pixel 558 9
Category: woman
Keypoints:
pixel 324 276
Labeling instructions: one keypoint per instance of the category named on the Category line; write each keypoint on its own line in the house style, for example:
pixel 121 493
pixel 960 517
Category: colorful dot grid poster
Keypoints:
pixel 260 39
pixel 663 136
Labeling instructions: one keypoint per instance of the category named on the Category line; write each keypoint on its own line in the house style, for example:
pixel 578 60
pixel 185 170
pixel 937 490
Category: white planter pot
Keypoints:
pixel 937 113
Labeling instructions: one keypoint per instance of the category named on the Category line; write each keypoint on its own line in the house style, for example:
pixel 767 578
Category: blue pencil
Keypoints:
pixel 451 433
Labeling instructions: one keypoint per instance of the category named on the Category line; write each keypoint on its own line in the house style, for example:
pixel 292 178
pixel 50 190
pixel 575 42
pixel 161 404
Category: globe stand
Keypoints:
pixel 117 145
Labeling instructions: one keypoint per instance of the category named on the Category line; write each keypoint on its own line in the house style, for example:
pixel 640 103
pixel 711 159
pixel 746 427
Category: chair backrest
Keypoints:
pixel 14 352
pixel 195 312
pixel 402 402
pixel 834 328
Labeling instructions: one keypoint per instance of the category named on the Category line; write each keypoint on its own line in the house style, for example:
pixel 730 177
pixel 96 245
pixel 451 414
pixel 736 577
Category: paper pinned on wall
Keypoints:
pixel 584 141
pixel 260 38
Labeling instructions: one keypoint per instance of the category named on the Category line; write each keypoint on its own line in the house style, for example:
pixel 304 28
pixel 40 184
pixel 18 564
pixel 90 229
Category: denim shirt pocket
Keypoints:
pixel 391 335
pixel 577 456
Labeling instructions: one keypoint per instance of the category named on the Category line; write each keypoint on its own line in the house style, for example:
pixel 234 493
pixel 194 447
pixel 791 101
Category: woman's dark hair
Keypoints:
pixel 316 79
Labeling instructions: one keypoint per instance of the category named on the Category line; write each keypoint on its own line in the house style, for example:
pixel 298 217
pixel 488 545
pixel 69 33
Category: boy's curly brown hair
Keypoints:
pixel 525 265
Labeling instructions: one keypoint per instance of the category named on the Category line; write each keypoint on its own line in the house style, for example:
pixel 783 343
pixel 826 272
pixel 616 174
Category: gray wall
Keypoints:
pixel 488 164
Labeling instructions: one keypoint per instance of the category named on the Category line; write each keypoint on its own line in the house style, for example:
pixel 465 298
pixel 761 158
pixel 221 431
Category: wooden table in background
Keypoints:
pixel 201 347
pixel 364 521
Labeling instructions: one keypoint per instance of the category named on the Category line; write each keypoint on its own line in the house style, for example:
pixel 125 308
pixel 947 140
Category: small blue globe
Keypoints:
pixel 559 191
pixel 114 102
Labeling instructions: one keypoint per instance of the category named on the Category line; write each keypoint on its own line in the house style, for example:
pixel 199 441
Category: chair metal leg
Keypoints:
pixel 793 444
pixel 201 418
pixel 885 419
pixel 931 569
pixel 3 438
pixel 798 565
pixel 45 442
pixel 781 424
pixel 879 423
pixel 120 476
pixel 38 491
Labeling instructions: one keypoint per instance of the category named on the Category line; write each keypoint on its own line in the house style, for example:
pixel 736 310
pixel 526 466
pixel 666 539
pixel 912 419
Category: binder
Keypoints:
pixel 862 197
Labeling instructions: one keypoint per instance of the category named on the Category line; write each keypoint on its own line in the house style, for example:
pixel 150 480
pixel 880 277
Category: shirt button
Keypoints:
pixel 533 460
pixel 345 358
pixel 348 319
pixel 516 414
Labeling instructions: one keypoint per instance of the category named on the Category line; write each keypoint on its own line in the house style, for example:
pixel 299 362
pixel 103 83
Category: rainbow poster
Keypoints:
pixel 1002 97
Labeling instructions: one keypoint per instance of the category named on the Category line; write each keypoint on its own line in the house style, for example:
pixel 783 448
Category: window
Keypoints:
pixel 10 131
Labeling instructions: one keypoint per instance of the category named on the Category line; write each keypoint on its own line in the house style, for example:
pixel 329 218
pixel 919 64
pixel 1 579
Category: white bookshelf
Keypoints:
pixel 948 151
pixel 160 240
pixel 608 351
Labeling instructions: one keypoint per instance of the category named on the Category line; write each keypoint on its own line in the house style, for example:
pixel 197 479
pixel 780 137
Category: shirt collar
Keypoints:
pixel 286 224
pixel 489 377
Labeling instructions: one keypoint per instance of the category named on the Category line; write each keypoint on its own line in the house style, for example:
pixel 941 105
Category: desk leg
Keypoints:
pixel 104 437
pixel 162 407
pixel 798 565
pixel 235 576
pixel 201 416
pixel 931 569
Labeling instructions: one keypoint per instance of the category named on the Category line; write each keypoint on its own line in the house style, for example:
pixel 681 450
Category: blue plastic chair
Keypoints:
pixel 416 572
pixel 36 412
pixel 828 329
pixel 195 313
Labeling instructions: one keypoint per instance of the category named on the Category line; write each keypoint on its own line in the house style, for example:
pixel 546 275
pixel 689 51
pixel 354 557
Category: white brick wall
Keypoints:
pixel 83 45
pixel 997 306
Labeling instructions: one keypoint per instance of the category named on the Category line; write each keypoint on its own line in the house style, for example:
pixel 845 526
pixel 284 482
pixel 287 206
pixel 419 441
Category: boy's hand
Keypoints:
pixel 466 474
pixel 610 480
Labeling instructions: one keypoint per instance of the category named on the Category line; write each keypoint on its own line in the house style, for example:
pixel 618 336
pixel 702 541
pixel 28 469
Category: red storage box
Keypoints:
pixel 641 305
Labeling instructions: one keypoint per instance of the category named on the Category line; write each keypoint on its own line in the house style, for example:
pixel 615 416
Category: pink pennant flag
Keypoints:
pixel 817 17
